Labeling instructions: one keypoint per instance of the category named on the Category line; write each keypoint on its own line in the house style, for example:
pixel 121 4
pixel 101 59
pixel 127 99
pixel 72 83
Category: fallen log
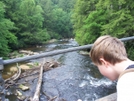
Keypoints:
pixel 23 76
pixel 38 87
pixel 49 97
pixel 19 72
pixel 48 65
pixel 15 76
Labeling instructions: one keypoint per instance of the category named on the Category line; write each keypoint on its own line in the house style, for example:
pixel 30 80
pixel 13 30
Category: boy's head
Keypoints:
pixel 109 48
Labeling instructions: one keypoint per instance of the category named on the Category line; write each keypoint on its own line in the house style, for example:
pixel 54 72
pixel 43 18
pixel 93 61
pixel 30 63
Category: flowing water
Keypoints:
pixel 75 78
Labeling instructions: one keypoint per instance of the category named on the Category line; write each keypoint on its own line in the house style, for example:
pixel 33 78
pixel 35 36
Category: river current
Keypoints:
pixel 75 78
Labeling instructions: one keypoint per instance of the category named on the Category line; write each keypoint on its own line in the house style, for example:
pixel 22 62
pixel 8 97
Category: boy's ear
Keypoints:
pixel 103 61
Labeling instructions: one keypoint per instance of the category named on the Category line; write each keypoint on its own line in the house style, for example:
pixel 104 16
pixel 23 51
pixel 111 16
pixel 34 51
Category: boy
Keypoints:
pixel 109 55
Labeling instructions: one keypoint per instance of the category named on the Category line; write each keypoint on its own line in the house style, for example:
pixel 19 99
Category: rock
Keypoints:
pixel 18 93
pixel 24 88
pixel 79 100
pixel 9 73
pixel 51 41
pixel 20 96
pixel 84 52
pixel 28 52
pixel 24 67
pixel 13 69
pixel 111 97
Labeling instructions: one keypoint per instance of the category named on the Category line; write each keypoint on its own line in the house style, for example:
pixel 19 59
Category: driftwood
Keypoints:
pixel 28 52
pixel 49 97
pixel 11 81
pixel 32 74
pixel 48 65
pixel 38 87
pixel 18 73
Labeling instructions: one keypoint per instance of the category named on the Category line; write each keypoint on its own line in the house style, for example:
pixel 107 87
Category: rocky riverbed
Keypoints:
pixel 76 78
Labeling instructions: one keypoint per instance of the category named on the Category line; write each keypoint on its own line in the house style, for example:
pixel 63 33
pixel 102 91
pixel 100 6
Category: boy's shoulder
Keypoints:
pixel 126 71
pixel 125 85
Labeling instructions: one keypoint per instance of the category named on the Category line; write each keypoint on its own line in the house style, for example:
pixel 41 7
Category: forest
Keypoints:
pixel 25 23
pixel 93 18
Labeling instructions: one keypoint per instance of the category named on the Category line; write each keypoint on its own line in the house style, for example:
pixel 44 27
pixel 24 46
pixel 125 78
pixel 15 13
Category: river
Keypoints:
pixel 75 78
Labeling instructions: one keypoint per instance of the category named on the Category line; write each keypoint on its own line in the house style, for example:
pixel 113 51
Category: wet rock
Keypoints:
pixel 84 53
pixel 111 97
pixel 24 88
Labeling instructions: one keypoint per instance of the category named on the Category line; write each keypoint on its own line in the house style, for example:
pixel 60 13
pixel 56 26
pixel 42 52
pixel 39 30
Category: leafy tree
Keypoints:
pixel 120 17
pixel 47 7
pixel 61 23
pixel 47 10
pixel 82 9
pixel 92 27
pixel 30 22
pixel 93 18
pixel 67 5
pixel 57 20
pixel 120 20
pixel 6 37
pixel 11 7
pixel 117 17
pixel 56 2
pixel 33 39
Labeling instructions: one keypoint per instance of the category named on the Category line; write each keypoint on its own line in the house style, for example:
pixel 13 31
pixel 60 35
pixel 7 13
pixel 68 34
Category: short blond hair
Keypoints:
pixel 110 48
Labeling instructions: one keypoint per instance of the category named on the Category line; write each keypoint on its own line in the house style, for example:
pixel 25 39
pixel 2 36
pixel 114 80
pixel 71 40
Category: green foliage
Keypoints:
pixel 93 26
pixel 93 18
pixel 35 38
pixel 129 48
pixel 82 23
pixel 67 5
pixel 58 17
pixel 30 22
pixel 32 14
pixel 61 22
pixel 54 35
pixel 6 37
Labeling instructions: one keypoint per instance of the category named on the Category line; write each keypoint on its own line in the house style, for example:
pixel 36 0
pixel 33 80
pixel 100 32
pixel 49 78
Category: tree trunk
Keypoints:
pixel 38 87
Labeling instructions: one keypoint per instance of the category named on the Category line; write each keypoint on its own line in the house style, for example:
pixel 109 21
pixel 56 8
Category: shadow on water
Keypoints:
pixel 76 77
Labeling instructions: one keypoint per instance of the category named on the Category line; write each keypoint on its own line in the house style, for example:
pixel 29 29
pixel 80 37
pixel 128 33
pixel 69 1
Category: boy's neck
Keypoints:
pixel 120 67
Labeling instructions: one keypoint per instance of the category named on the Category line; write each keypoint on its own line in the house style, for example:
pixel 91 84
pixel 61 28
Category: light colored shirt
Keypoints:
pixel 125 87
